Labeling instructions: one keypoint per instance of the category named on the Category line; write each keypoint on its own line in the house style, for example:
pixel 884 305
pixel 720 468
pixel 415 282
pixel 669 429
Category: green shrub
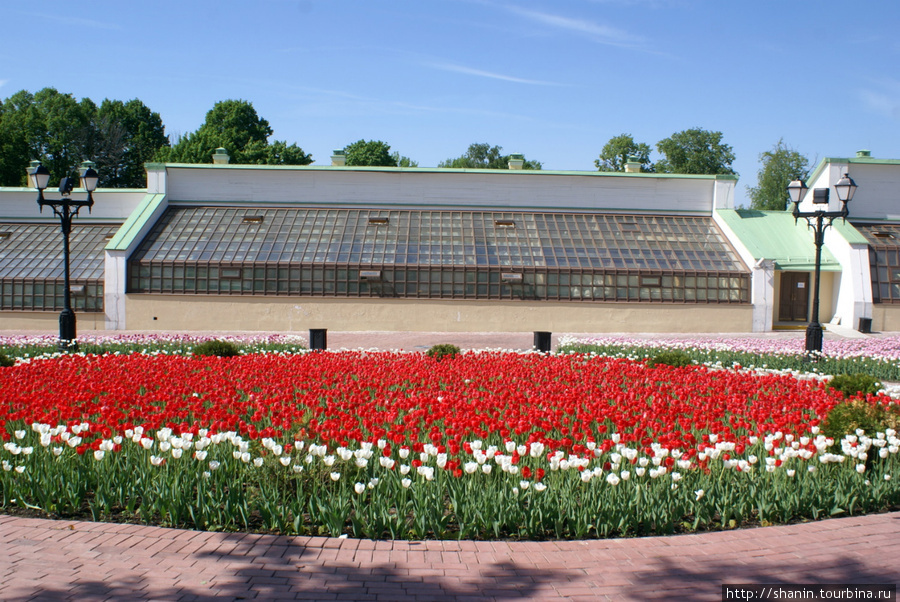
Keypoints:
pixel 443 350
pixel 845 418
pixel 671 357
pixel 217 348
pixel 6 361
pixel 855 384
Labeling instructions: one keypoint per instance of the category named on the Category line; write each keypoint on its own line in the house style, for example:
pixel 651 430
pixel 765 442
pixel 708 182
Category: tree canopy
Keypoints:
pixel 616 152
pixel 235 126
pixel 61 132
pixel 780 166
pixel 485 156
pixel 695 151
pixel 373 153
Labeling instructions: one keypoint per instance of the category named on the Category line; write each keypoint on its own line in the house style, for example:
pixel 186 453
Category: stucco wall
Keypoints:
pixel 885 317
pixel 195 312
pixel 441 189
pixel 49 320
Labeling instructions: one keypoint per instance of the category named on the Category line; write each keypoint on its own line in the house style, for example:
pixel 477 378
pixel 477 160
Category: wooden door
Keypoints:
pixel 794 302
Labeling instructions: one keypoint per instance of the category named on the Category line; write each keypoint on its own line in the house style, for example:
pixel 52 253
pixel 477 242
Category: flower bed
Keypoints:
pixel 480 445
pixel 878 356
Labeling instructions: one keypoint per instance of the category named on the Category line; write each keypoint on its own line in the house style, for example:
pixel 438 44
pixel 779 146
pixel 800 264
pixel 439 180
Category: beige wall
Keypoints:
pixel 48 320
pixel 194 312
pixel 885 317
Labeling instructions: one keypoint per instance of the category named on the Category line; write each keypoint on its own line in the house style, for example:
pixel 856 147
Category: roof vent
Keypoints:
pixel 378 221
pixel 632 164
pixel 252 219
pixel 516 161
pixel 876 234
pixel 220 157
pixel 338 158
pixel 5 235
pixel 370 275
pixel 504 223
pixel 863 154
pixel 511 277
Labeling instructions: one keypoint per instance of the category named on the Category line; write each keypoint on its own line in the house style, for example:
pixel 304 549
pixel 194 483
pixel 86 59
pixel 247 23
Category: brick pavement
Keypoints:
pixel 65 560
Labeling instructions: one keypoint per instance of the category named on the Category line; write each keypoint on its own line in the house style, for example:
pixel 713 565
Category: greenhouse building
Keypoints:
pixel 260 248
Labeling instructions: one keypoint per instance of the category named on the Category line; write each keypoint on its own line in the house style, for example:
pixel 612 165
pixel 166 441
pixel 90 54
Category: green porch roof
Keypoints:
pixel 773 235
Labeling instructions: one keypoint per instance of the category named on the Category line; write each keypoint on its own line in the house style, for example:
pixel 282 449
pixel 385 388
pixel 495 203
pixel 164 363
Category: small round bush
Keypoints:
pixel 217 348
pixel 671 357
pixel 855 384
pixel 6 361
pixel 443 350
pixel 845 418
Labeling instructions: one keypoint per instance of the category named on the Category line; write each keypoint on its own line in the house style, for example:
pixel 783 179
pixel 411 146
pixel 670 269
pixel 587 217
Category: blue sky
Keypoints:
pixel 552 80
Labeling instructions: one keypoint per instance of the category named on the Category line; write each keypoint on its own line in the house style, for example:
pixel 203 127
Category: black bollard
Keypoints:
pixel 542 341
pixel 318 339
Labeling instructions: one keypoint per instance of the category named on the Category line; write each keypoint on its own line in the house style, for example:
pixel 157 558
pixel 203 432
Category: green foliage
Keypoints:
pixel 217 348
pixel 485 156
pixel 127 136
pixel 6 361
pixel 695 151
pixel 373 153
pixel 855 384
pixel 616 153
pixel 61 132
pixel 671 357
pixel 442 350
pixel 50 126
pixel 780 166
pixel 403 161
pixel 235 126
pixel 845 418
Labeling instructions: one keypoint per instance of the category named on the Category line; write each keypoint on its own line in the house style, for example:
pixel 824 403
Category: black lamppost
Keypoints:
pixel 66 208
pixel 816 220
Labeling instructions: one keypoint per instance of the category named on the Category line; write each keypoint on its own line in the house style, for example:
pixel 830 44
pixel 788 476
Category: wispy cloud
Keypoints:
pixel 488 74
pixel 3 82
pixel 602 34
pixel 885 100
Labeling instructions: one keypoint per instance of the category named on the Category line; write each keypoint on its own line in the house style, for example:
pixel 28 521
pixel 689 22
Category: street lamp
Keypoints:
pixel 816 220
pixel 65 208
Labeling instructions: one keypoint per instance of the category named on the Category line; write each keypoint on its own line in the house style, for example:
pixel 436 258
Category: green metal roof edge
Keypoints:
pixel 857 160
pixel 132 226
pixel 754 238
pixel 849 233
pixel 613 174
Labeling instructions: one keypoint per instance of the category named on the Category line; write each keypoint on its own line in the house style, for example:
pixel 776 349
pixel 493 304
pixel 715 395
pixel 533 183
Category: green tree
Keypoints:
pixel 61 132
pixel 374 153
pixel 127 135
pixel 49 126
pixel 695 151
pixel 780 166
pixel 402 161
pixel 617 151
pixel 14 158
pixel 485 156
pixel 235 126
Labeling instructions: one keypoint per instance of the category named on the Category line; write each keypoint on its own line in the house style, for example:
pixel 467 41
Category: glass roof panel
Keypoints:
pixel 587 241
pixel 35 251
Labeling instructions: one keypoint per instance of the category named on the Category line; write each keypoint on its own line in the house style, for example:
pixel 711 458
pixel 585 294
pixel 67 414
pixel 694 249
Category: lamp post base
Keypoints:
pixel 67 331
pixel 813 341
